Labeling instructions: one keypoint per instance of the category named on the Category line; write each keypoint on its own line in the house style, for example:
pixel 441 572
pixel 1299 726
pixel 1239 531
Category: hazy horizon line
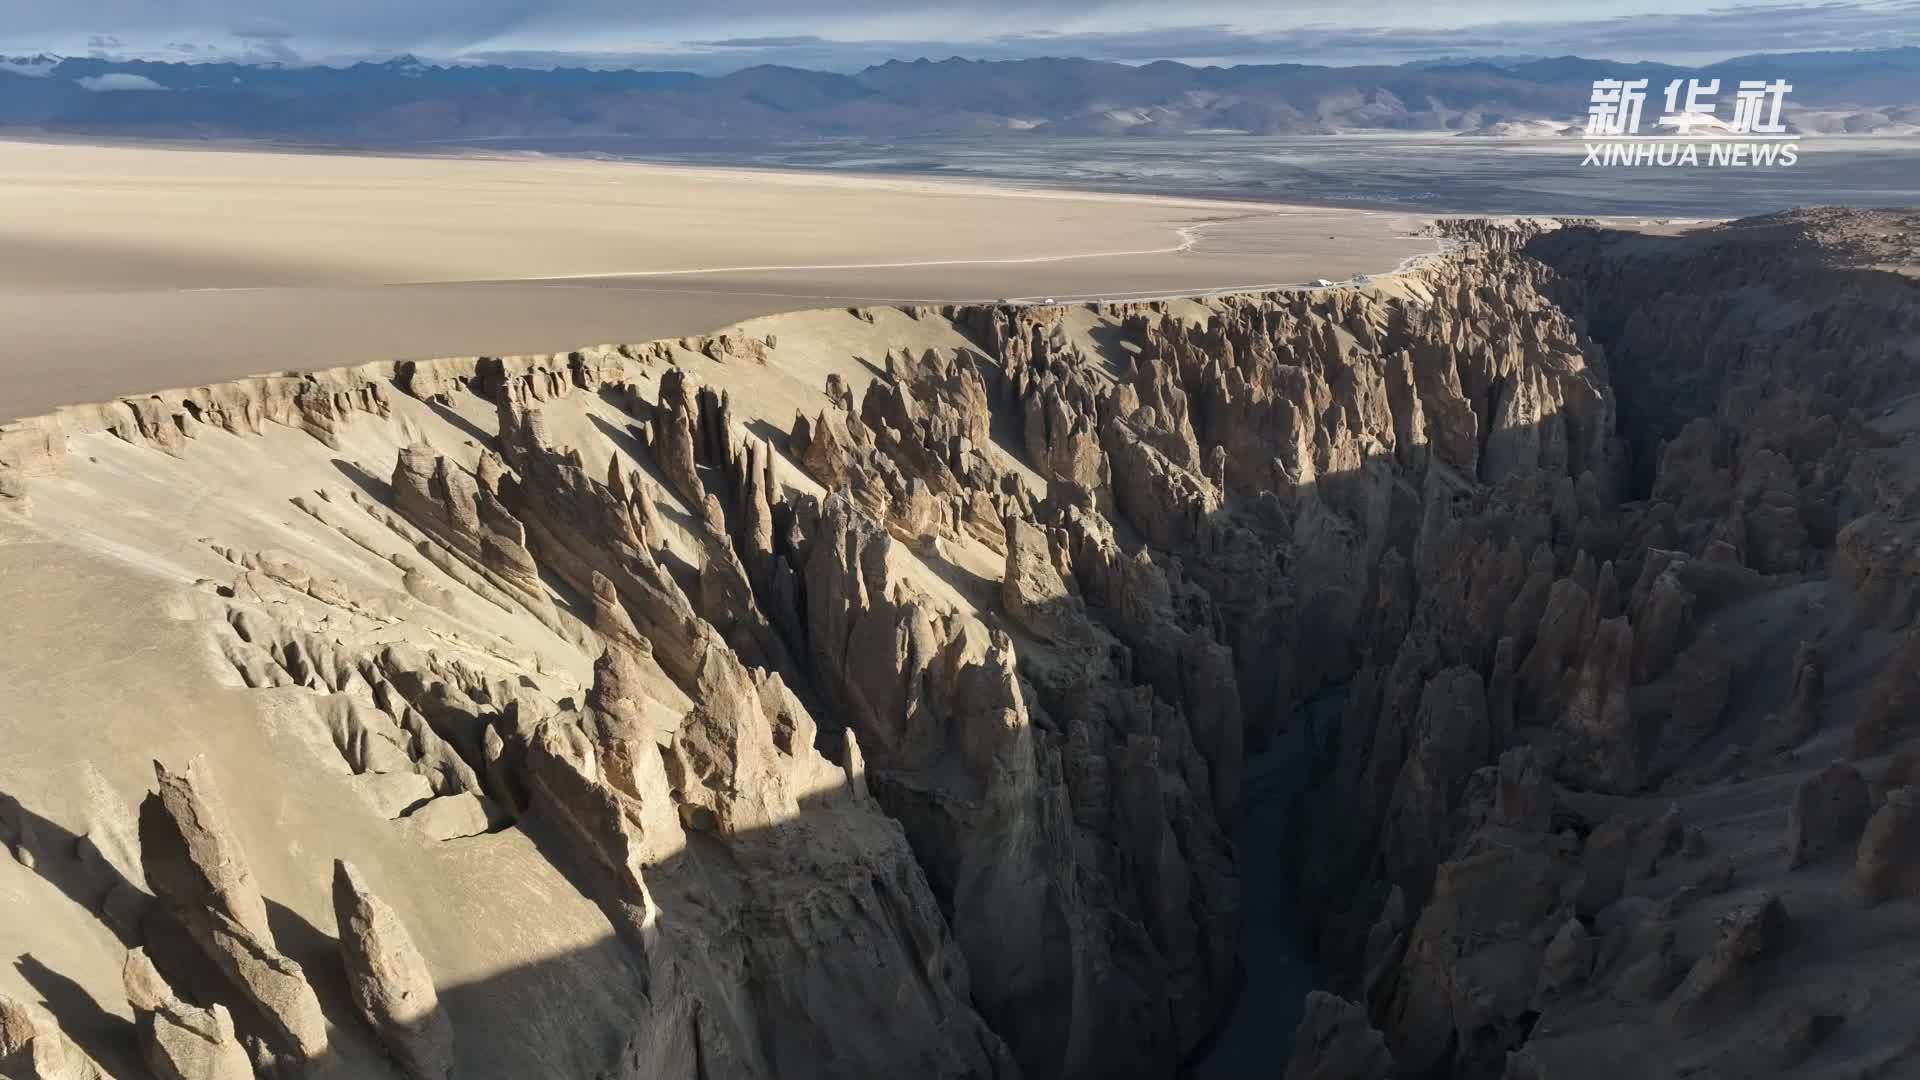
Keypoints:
pixel 615 61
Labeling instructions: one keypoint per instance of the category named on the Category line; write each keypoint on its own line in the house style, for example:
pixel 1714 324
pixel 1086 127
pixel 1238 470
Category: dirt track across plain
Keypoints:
pixel 130 269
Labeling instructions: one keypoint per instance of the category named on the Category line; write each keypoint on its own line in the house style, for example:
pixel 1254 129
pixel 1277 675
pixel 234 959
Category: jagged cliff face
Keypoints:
pixel 1606 809
pixel 873 696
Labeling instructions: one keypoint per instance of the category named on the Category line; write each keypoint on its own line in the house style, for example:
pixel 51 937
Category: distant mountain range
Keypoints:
pixel 406 100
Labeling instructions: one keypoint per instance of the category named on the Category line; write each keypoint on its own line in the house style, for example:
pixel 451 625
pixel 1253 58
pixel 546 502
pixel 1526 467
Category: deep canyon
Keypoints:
pixel 870 692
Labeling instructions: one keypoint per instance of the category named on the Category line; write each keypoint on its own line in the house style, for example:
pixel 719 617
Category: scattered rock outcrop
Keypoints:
pixel 464 512
pixel 389 979
pixel 1830 808
pixel 1727 978
pixel 1336 1042
pixel 180 1041
pixel 198 871
pixel 1886 867
pixel 32 1047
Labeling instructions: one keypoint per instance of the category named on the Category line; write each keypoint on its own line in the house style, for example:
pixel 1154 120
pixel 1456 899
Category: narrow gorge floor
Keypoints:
pixel 868 691
pixel 1276 968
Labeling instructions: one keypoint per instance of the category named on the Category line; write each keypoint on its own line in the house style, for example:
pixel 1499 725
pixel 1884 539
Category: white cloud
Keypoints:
pixel 1685 32
pixel 101 84
pixel 32 68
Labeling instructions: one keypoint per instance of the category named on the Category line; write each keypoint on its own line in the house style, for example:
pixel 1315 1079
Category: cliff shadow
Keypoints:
pixel 480 438
pixel 586 1012
pixel 375 488
pixel 69 864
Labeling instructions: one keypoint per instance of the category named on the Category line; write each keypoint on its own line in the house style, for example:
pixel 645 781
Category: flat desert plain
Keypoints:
pixel 131 269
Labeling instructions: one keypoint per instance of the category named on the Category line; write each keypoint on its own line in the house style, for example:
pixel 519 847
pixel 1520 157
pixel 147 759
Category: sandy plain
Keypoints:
pixel 130 269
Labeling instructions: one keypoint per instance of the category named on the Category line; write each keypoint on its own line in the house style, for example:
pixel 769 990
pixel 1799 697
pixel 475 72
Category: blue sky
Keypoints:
pixel 725 35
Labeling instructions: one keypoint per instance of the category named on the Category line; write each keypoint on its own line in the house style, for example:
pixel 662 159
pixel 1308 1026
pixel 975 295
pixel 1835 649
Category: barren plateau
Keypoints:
pixel 221 263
